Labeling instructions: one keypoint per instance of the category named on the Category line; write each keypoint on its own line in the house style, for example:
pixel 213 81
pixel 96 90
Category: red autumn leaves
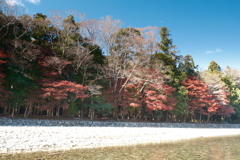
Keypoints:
pixel 144 88
pixel 205 101
pixel 160 96
pixel 3 92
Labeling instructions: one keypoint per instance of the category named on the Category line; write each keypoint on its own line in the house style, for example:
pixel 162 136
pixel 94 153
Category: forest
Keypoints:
pixel 69 66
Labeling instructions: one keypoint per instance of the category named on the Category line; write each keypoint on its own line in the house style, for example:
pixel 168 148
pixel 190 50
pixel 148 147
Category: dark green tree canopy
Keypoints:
pixel 127 31
pixel 39 16
pixel 188 65
pixel 70 19
pixel 165 44
pixel 169 61
pixel 214 67
pixel 124 33
pixel 41 29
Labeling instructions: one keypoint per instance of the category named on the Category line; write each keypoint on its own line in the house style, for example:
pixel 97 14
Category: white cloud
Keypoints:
pixel 34 1
pixel 14 2
pixel 213 51
pixel 20 2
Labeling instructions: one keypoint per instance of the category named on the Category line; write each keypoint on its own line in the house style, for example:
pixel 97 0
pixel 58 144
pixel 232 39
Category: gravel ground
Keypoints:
pixel 29 139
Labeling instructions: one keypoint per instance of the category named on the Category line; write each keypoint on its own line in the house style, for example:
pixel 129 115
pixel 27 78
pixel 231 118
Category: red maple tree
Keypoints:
pixel 3 92
pixel 58 93
pixel 145 86
pixel 202 100
pixel 159 97
pixel 131 101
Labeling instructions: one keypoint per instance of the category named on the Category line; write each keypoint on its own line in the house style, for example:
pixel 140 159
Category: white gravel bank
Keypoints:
pixel 29 139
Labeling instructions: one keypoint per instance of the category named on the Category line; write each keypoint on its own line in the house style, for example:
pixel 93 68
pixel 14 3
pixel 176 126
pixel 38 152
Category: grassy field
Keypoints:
pixel 217 148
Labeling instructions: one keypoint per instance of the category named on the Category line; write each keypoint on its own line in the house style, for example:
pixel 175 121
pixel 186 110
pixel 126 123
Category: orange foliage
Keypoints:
pixel 203 100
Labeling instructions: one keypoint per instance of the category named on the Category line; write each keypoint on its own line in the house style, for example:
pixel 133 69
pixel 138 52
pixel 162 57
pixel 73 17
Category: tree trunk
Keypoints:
pixel 209 116
pixel 82 108
pixel 5 111
pixel 25 113
pixel 13 112
pixel 91 112
pixel 139 115
pixel 115 112
pixel 58 110
pixel 167 120
pixel 200 118
pixel 29 110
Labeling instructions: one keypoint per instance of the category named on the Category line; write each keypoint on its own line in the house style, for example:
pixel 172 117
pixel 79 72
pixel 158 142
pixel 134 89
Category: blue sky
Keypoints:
pixel 206 29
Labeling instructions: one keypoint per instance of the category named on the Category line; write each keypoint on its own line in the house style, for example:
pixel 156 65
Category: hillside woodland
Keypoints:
pixel 69 66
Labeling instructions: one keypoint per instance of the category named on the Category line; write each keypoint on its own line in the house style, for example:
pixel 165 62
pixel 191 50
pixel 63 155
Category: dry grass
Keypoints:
pixel 217 148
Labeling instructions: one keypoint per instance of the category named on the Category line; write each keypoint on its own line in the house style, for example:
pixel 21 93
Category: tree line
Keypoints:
pixel 94 68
